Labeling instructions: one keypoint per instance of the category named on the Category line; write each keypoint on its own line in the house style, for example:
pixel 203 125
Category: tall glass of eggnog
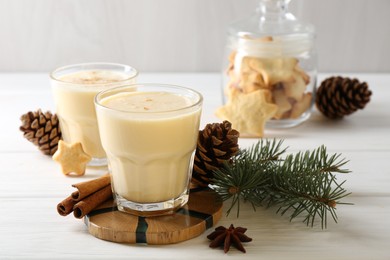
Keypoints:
pixel 149 133
pixel 74 88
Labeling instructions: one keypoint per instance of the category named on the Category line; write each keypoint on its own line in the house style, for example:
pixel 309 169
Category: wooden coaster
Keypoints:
pixel 202 211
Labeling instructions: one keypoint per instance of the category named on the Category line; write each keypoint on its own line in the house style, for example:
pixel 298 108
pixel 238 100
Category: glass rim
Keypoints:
pixel 134 75
pixel 172 86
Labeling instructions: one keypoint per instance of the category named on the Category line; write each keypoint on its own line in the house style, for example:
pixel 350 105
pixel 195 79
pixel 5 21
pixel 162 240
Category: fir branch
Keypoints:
pixel 264 151
pixel 304 183
pixel 248 171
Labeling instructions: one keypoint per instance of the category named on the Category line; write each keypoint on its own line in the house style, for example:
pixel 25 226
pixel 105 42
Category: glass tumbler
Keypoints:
pixel 149 133
pixel 74 88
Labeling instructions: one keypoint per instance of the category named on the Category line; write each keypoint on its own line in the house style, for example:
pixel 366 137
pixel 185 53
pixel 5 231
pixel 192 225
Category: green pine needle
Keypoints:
pixel 298 184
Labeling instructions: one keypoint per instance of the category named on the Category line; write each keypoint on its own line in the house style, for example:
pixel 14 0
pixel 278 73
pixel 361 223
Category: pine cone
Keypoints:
pixel 217 143
pixel 42 129
pixel 338 96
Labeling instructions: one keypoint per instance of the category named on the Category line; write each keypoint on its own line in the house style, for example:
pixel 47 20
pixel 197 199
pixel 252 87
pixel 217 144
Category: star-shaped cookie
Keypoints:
pixel 72 158
pixel 249 112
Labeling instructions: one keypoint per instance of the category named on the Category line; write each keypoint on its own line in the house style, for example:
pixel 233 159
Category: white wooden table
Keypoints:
pixel 31 186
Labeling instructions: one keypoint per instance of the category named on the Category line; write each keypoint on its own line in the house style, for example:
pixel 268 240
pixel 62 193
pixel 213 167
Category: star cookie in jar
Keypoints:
pixel 270 75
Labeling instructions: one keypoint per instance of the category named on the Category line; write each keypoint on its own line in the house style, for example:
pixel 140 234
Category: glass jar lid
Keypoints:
pixel 271 31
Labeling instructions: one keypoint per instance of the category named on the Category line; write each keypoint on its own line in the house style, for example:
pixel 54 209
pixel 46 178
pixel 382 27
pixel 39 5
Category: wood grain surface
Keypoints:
pixel 202 211
pixel 32 184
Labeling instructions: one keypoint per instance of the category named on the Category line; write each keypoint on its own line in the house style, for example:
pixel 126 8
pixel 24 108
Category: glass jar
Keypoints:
pixel 269 72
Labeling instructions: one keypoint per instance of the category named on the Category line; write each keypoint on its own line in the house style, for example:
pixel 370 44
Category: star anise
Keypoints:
pixel 229 236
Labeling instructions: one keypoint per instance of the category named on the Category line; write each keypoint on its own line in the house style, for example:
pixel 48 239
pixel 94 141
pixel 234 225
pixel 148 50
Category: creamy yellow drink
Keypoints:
pixel 150 136
pixel 74 91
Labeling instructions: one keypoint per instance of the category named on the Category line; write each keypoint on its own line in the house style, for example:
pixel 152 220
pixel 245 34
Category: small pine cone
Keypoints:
pixel 42 129
pixel 338 96
pixel 217 143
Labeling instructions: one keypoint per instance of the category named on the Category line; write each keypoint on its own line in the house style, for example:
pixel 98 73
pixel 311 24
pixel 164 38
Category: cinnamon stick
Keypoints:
pixel 84 189
pixel 86 205
pixel 65 207
pixel 89 194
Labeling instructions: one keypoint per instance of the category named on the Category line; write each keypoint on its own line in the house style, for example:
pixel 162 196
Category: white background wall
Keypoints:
pixel 178 35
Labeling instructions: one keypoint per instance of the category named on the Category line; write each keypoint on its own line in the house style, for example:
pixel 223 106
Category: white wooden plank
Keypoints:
pixel 37 176
pixel 32 229
pixel 366 129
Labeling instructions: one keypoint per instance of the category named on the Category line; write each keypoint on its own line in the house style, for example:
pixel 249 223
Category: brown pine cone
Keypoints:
pixel 42 129
pixel 217 143
pixel 338 96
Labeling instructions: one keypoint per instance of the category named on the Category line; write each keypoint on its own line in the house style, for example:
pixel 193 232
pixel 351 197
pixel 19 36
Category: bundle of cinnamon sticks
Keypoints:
pixel 88 196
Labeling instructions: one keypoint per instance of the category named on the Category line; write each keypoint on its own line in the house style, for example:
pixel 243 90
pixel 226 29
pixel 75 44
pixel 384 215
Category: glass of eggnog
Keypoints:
pixel 74 88
pixel 149 133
